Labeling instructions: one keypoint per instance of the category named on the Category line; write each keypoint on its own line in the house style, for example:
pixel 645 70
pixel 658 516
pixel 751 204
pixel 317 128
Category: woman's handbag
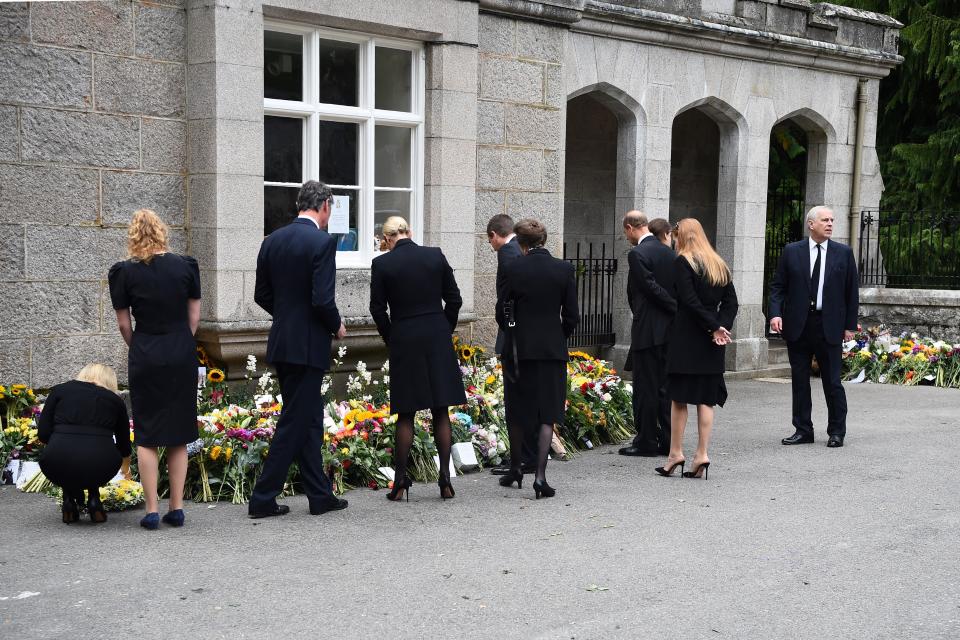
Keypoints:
pixel 509 359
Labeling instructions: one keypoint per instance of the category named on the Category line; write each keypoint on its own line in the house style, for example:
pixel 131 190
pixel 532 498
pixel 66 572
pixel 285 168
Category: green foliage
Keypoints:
pixel 918 136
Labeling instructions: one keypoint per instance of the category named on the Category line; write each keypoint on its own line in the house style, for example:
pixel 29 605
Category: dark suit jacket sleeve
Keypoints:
pixel 324 285
pixel 570 313
pixel 501 298
pixel 452 301
pixel 687 294
pixel 852 296
pixel 728 306
pixel 45 421
pixel 778 288
pixel 504 256
pixel 263 290
pixel 121 429
pixel 647 284
pixel 378 302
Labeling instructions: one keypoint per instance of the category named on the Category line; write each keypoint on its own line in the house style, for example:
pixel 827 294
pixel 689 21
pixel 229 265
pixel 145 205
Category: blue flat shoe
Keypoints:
pixel 174 518
pixel 150 521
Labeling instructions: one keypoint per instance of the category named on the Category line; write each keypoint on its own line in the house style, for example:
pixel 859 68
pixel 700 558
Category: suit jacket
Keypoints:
pixel 544 291
pixel 296 280
pixel 790 291
pixel 650 286
pixel 507 254
pixel 412 281
pixel 702 309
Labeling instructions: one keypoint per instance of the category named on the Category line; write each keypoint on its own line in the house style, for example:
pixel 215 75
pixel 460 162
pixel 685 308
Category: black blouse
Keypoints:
pixel 84 404
pixel 157 291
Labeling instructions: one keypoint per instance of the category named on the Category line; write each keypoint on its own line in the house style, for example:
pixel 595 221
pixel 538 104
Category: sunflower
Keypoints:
pixel 216 375
pixel 202 355
pixel 215 452
pixel 467 352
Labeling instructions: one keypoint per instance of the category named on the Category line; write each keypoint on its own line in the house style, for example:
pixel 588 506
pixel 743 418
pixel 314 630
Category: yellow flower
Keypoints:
pixel 18 387
pixel 215 375
pixel 326 437
pixel 228 453
pixel 345 451
pixel 467 352
pixel 491 379
pixel 215 452
pixel 3 389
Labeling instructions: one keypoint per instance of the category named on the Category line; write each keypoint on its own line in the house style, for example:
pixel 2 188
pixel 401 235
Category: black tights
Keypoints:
pixel 544 438
pixel 404 440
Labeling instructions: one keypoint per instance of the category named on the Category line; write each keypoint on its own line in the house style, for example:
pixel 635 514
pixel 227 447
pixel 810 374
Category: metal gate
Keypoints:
pixel 595 273
pixel 784 225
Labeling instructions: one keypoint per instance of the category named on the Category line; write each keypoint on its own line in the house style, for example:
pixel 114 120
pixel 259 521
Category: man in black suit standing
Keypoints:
pixel 650 291
pixel 814 303
pixel 296 277
pixel 502 239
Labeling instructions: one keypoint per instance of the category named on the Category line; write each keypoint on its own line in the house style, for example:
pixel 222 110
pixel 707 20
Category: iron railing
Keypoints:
pixel 909 249
pixel 595 273
pixel 784 225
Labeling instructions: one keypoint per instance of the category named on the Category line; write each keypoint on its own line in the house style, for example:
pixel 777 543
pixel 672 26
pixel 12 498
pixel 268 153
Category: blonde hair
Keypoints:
pixel 100 375
pixel 394 225
pixel 146 235
pixel 693 245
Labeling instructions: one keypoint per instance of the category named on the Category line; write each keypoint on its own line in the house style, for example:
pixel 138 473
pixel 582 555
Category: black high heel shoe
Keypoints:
pixel 70 509
pixel 703 466
pixel 400 489
pixel 444 483
pixel 95 508
pixel 511 477
pixel 541 488
pixel 664 471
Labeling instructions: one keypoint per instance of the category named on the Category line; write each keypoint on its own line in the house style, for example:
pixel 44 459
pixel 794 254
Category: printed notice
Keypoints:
pixel 339 215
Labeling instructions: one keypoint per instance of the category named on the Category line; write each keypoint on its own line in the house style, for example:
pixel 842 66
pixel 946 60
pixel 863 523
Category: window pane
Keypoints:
pixel 393 79
pixel 349 241
pixel 282 149
pixel 282 66
pixel 392 157
pixel 338 152
pixel 386 204
pixel 339 73
pixel 279 207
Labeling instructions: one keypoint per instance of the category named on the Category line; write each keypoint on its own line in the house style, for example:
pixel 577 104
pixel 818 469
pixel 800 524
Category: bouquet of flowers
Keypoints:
pixel 908 359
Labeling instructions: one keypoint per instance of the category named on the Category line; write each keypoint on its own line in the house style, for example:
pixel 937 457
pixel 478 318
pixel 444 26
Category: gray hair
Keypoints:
pixel 312 196
pixel 634 219
pixel 815 211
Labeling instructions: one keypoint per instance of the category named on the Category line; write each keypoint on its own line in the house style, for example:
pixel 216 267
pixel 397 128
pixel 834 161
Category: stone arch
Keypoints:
pixel 820 136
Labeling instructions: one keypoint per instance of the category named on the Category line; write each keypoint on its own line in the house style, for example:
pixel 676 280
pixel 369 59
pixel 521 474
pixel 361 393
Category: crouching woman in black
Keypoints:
pixel 85 426
pixel 543 291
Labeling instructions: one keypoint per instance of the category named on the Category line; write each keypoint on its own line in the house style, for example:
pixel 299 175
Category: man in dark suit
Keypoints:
pixel 650 292
pixel 502 239
pixel 296 276
pixel 814 303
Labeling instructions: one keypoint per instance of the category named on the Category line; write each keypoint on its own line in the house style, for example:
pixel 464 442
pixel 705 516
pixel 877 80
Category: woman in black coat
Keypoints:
pixel 543 293
pixel 417 285
pixel 85 426
pixel 707 307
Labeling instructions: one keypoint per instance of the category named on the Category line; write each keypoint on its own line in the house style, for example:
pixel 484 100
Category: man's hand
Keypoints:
pixel 847 336
pixel 776 324
pixel 341 332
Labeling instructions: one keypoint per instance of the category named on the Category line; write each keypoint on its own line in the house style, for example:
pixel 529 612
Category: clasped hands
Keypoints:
pixel 721 336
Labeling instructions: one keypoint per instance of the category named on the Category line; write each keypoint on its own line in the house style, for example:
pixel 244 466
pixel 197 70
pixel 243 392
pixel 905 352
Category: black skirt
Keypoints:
pixel 424 372
pixel 77 461
pixel 697 388
pixel 163 388
pixel 539 395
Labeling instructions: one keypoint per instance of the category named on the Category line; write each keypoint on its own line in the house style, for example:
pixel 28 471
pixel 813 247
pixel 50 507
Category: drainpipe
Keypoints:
pixel 857 164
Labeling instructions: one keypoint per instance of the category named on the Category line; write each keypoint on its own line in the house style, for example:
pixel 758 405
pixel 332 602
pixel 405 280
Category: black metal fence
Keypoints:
pixel 910 249
pixel 784 225
pixel 595 273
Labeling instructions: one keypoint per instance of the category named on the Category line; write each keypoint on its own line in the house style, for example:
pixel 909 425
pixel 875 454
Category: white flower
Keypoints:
pixel 501 447
pixel 607 397
pixel 342 351
pixel 252 363
pixel 329 424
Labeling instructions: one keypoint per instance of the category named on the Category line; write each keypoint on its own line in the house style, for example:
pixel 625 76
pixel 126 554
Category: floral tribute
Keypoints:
pixel 19 408
pixel 877 355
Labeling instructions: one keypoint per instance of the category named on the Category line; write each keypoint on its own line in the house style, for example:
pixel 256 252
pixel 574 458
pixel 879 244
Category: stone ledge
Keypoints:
pixel 913 297
pixel 560 11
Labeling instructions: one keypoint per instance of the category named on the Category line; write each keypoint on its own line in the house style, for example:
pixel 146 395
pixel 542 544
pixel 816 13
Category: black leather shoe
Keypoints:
pixel 835 441
pixel 637 451
pixel 504 469
pixel 276 510
pixel 333 504
pixel 798 438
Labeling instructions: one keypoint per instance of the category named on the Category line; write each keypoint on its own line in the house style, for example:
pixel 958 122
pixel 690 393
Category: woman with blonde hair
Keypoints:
pixel 706 308
pixel 85 426
pixel 162 291
pixel 415 302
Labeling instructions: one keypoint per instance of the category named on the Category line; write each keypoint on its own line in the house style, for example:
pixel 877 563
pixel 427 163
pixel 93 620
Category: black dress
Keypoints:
pixel 544 293
pixel 162 358
pixel 695 365
pixel 87 432
pixel 418 286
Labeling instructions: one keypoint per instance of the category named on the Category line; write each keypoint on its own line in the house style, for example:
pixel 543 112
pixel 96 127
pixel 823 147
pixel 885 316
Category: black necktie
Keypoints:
pixel 815 279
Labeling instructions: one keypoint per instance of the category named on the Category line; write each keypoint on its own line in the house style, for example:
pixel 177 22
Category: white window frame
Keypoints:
pixel 364 115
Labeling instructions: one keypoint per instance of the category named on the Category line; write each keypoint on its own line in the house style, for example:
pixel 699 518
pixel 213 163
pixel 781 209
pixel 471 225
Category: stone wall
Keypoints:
pixel 929 312
pixel 92 116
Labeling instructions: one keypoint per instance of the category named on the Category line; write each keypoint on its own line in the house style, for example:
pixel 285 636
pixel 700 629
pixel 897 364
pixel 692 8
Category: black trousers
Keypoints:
pixel 528 455
pixel 651 406
pixel 299 436
pixel 813 343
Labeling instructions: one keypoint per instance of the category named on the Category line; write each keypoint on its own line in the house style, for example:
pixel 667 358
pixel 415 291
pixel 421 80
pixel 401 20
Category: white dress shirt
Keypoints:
pixel 318 226
pixel 643 237
pixel 823 269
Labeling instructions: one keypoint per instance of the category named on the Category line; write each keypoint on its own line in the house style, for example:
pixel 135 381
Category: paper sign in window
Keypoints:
pixel 339 215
